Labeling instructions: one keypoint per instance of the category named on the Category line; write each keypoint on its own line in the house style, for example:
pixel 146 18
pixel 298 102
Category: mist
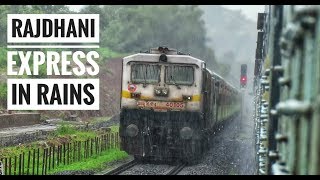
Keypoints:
pixel 232 35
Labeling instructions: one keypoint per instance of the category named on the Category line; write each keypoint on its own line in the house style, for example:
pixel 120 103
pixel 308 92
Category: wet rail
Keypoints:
pixel 176 169
pixel 122 168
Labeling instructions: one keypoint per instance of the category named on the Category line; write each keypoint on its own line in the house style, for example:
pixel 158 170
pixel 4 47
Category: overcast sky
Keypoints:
pixel 250 11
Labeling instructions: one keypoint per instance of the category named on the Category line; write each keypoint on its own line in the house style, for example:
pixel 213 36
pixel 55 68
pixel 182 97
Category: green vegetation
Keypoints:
pixel 79 150
pixel 3 91
pixel 3 58
pixel 65 129
pixel 73 157
pixel 136 28
pixel 106 53
pixel 130 29
pixel 114 129
pixel 3 95
pixel 95 163
pixel 16 150
pixel 72 133
pixel 64 133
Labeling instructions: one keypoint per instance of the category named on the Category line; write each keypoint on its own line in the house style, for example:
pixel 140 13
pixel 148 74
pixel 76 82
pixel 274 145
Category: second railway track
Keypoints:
pixel 122 168
pixel 176 169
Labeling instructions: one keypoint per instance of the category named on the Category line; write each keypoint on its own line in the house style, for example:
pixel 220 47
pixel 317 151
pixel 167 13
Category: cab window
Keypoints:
pixel 181 75
pixel 145 73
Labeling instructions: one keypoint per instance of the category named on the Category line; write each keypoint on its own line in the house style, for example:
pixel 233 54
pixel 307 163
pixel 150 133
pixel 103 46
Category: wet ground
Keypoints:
pixel 25 129
pixel 231 153
pixel 232 149
pixel 24 134
pixel 148 169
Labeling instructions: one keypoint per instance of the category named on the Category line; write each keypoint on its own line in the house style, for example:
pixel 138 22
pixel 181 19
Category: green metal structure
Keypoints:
pixel 287 122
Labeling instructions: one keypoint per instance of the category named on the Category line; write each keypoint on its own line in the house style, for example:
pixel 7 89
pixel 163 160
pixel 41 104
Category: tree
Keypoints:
pixel 25 9
pixel 137 28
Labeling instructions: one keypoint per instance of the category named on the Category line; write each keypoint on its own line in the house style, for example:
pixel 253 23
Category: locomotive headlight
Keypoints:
pixel 132 130
pixel 186 133
pixel 163 58
pixel 187 98
pixel 157 91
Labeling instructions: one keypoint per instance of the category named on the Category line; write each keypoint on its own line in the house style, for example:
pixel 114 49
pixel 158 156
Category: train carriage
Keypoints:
pixel 287 116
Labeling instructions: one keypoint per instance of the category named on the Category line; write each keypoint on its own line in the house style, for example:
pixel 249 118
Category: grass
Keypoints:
pixel 65 129
pixel 71 134
pixel 12 151
pixel 106 53
pixel 114 128
pixel 67 133
pixel 64 133
pixel 96 163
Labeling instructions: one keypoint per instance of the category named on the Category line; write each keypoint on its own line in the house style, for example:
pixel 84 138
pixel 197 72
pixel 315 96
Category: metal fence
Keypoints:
pixel 42 160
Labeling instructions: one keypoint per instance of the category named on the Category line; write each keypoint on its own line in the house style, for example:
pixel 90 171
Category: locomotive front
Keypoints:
pixel 161 105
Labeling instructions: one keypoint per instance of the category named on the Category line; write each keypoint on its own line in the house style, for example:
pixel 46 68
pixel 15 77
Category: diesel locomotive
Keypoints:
pixel 171 104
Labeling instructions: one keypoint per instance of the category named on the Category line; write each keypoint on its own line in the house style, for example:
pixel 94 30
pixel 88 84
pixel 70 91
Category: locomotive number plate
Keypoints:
pixel 161 105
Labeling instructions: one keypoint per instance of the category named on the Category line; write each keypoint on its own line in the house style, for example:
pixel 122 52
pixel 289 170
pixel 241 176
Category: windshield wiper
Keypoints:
pixel 145 80
pixel 174 82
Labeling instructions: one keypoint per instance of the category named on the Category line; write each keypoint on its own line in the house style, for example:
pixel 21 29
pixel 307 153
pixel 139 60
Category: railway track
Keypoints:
pixel 122 168
pixel 176 169
pixel 133 163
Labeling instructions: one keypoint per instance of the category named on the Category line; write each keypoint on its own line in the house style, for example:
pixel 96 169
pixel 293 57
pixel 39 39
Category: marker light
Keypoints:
pixel 163 58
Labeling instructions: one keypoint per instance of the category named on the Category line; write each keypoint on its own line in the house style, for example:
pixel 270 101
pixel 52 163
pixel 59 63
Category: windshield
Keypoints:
pixel 182 75
pixel 145 73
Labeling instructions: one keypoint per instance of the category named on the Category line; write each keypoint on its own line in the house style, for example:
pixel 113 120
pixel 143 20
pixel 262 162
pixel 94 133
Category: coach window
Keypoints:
pixel 145 73
pixel 182 75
